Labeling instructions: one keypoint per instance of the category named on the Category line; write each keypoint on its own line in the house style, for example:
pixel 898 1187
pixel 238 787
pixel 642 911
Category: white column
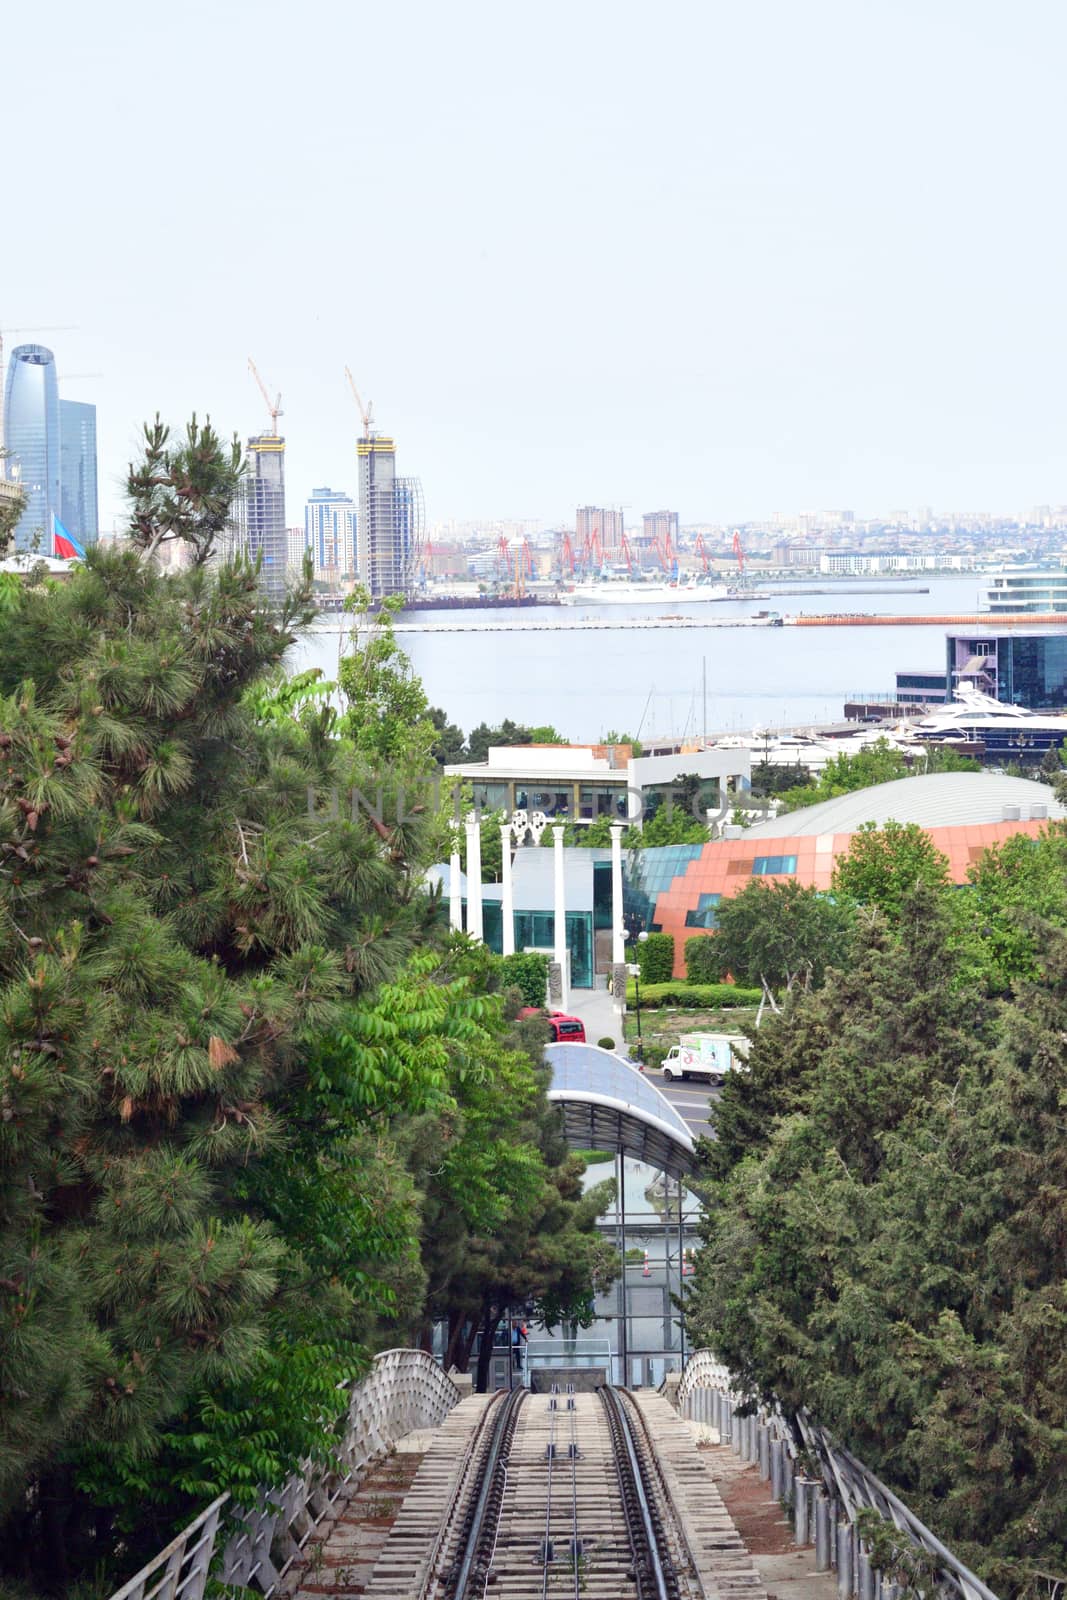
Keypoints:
pixel 455 896
pixel 507 893
pixel 474 881
pixel 559 952
pixel 618 930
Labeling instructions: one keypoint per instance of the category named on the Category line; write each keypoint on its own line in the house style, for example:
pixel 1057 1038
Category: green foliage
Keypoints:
pixel 508 732
pixel 692 996
pixel 655 958
pixel 387 716
pixel 703 959
pixel 667 825
pixel 612 737
pixel 883 865
pixel 885 1226
pixel 183 491
pixel 449 746
pixel 606 1044
pixel 260 1112
pixel 778 933
pixel 526 971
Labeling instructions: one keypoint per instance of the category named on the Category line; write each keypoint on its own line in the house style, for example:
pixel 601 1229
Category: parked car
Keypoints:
pixel 564 1029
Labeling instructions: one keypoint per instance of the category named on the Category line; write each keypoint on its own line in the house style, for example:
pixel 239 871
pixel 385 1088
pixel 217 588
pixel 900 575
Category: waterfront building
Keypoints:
pixel 32 436
pixel 1027 592
pixel 676 888
pixel 921 688
pixel 330 533
pixel 263 533
pixel 1017 666
pixel 964 813
pixel 598 524
pixel 582 783
pixel 390 520
pixel 660 528
pixel 77 470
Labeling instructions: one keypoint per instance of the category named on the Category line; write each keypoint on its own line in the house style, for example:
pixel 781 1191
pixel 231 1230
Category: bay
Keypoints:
pixel 650 681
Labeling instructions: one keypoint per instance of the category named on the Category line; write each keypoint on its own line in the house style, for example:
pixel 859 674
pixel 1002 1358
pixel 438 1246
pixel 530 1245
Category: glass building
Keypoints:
pixel 77 470
pixel 264 533
pixel 330 532
pixel 32 435
pixel 1020 667
pixel 1026 591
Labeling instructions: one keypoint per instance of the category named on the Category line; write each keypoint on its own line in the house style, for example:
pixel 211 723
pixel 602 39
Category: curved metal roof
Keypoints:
pixel 939 800
pixel 608 1105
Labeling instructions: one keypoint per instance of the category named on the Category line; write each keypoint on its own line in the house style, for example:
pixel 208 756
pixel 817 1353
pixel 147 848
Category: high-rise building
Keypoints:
pixel 77 470
pixel 661 528
pixel 390 522
pixel 263 531
pixel 31 435
pixel 603 523
pixel 330 533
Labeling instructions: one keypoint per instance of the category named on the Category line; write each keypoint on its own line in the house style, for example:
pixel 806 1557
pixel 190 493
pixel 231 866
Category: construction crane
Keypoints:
pixel 273 406
pixel 365 411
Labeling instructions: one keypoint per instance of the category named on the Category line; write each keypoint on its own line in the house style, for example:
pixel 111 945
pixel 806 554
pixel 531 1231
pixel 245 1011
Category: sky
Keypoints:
pixel 727 258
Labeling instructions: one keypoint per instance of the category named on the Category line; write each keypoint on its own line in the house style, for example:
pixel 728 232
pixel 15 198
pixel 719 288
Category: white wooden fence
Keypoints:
pixel 406 1389
pixel 824 1507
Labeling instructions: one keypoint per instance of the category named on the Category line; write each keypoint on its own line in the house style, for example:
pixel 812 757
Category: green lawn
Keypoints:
pixel 664 1026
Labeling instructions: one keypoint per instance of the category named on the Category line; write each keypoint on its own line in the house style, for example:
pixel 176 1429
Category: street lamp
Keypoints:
pixel 634 970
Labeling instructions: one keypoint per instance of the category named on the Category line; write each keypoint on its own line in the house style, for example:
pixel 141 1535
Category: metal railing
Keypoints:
pixel 405 1390
pixel 824 1508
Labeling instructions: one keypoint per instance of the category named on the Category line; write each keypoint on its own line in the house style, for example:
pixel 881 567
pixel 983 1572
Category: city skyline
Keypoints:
pixel 833 277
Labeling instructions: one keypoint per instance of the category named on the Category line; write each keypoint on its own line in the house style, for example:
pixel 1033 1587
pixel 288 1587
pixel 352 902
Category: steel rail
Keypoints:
pixel 576 1543
pixel 546 1542
pixel 653 1568
pixel 481 1519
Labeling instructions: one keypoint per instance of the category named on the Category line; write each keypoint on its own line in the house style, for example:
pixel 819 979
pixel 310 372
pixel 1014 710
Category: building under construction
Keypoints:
pixel 389 529
pixel 261 511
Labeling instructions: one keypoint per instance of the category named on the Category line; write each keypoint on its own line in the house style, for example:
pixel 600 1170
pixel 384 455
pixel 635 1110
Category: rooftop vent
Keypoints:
pixel 732 831
pixel 1012 813
pixel 1038 813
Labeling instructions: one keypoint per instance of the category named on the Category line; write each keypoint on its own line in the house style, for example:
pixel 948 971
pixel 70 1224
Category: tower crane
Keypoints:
pixel 273 406
pixel 365 411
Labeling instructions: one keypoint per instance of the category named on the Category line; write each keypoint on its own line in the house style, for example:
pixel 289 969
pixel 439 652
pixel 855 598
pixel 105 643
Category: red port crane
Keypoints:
pixel 702 551
pixel 566 554
pixel 628 554
pixel 739 552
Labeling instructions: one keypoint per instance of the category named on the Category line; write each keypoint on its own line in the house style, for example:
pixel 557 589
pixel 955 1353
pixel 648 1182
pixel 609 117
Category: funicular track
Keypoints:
pixel 562 1497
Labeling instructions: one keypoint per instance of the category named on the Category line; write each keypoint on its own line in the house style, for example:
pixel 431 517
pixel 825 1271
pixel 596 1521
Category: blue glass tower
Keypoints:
pixel 31 434
pixel 77 470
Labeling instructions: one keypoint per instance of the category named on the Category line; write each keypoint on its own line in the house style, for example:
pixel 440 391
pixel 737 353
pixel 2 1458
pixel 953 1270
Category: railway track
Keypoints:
pixel 557 1497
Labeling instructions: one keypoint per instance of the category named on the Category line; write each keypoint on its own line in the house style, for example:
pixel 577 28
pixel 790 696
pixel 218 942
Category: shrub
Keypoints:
pixel 527 971
pixel 606 1044
pixel 694 996
pixel 655 957
pixel 653 1055
pixel 702 961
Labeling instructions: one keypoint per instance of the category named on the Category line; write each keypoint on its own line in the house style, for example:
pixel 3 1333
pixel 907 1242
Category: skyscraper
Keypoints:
pixel 31 434
pixel 389 530
pixel 263 532
pixel 330 532
pixel 77 470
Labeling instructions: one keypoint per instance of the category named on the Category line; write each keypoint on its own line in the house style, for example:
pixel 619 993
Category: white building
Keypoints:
pixel 330 533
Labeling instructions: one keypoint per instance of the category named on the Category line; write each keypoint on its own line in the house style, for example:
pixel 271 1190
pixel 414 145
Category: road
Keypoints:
pixel 690 1097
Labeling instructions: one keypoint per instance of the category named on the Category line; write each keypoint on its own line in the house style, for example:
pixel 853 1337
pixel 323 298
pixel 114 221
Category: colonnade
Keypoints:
pixel 560 947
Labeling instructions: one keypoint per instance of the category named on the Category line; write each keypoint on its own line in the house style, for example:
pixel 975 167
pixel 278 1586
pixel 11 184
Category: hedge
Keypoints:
pixel 702 960
pixel 527 971
pixel 694 996
pixel 655 957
